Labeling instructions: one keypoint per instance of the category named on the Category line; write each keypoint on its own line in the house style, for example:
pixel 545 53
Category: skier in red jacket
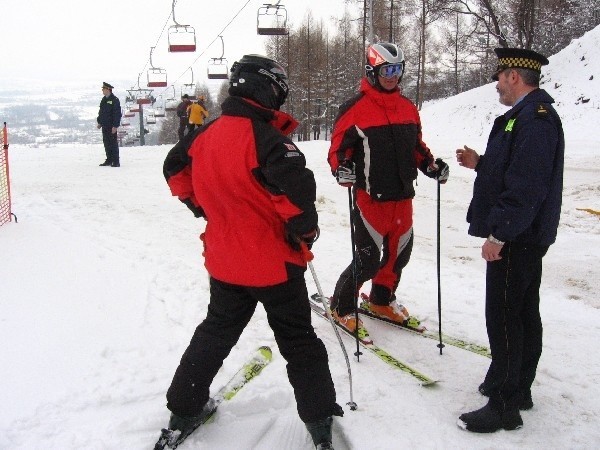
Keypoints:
pixel 250 182
pixel 376 147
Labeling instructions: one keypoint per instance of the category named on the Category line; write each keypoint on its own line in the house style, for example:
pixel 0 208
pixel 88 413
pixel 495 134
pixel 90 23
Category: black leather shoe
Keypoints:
pixel 106 163
pixel 115 164
pixel 489 420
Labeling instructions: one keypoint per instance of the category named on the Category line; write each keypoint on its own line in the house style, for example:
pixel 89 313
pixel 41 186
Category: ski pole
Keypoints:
pixel 308 256
pixel 439 280
pixel 351 207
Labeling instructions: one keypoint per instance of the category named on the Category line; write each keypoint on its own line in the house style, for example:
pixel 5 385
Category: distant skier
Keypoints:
pixel 250 182
pixel 109 119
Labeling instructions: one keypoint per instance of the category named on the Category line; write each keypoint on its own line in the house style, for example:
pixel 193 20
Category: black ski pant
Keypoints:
pixel 111 144
pixel 229 311
pixel 183 123
pixel 514 324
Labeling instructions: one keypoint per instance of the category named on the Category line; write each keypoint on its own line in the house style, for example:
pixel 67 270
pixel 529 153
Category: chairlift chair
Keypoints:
pixel 271 20
pixel 189 88
pixel 217 67
pixel 145 97
pixel 151 119
pixel 157 77
pixel 181 38
pixel 171 103
pixel 159 108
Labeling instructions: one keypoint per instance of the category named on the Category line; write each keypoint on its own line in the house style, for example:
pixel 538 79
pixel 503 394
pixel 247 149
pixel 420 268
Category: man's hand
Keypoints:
pixel 345 174
pixel 467 157
pixel 114 130
pixel 491 251
pixel 98 126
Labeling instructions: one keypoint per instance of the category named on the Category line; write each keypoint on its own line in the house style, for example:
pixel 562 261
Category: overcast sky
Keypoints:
pixel 67 41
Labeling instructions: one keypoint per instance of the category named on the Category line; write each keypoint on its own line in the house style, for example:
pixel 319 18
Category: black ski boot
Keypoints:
pixel 320 431
pixel 187 424
pixel 106 163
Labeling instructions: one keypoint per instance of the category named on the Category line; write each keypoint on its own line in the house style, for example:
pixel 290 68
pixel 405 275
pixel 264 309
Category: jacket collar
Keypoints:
pixel 536 96
pixel 385 99
pixel 239 106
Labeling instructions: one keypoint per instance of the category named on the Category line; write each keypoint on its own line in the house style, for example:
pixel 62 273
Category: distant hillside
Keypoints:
pixel 572 78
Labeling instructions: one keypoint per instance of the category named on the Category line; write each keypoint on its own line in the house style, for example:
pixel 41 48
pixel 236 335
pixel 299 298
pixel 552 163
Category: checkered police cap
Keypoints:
pixel 518 58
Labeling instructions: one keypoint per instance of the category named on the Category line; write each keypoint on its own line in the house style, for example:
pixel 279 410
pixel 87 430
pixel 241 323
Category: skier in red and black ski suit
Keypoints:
pixel 250 182
pixel 376 146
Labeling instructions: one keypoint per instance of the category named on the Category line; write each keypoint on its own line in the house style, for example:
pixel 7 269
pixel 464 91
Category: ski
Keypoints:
pixel 252 368
pixel 422 331
pixel 424 380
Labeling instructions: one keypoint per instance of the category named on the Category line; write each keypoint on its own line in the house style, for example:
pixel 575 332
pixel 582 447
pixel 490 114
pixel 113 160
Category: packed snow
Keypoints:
pixel 102 284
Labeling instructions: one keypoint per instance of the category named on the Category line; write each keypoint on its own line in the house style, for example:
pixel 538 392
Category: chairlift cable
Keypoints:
pixel 219 35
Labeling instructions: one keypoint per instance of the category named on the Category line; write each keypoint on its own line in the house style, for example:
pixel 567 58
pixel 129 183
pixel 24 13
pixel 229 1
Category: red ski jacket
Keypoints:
pixel 381 133
pixel 250 182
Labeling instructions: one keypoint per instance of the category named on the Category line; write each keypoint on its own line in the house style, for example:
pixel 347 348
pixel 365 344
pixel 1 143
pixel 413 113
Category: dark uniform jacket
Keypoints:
pixel 381 133
pixel 182 112
pixel 251 183
pixel 109 114
pixel 517 194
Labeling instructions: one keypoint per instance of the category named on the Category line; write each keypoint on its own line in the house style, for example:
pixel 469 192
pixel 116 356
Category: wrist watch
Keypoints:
pixel 493 240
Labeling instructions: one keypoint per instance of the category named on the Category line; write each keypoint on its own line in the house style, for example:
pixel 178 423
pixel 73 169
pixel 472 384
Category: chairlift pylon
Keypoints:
pixel 181 38
pixel 157 77
pixel 271 20
pixel 217 67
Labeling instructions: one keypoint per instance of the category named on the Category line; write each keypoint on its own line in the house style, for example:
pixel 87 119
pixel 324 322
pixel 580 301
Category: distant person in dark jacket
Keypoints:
pixel 250 182
pixel 516 205
pixel 182 113
pixel 109 119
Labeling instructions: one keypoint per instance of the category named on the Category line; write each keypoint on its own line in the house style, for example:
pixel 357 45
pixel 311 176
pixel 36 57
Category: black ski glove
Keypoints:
pixel 438 170
pixel 308 238
pixel 345 174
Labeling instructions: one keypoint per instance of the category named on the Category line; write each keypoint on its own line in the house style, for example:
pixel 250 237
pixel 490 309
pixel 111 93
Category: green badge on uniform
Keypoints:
pixel 109 102
pixel 509 125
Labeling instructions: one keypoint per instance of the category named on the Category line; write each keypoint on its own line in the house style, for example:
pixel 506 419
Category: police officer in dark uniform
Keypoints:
pixel 516 206
pixel 109 119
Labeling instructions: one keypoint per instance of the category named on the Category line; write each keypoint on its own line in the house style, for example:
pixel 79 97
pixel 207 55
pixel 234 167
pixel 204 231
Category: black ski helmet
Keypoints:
pixel 382 54
pixel 261 79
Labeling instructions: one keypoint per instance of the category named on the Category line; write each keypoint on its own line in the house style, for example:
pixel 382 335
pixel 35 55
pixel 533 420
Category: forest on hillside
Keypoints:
pixel 448 47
